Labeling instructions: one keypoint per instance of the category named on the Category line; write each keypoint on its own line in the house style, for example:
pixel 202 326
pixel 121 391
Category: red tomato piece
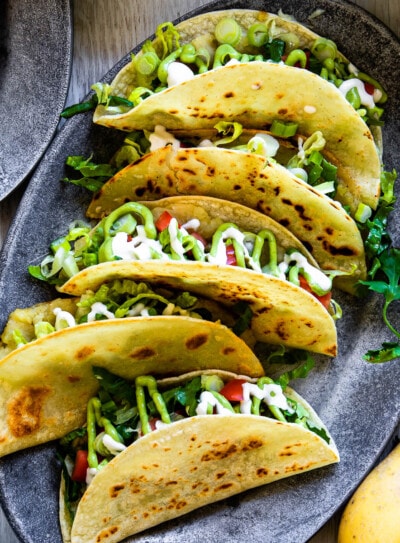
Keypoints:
pixel 369 88
pixel 233 390
pixel 80 467
pixel 230 255
pixel 325 299
pixel 163 221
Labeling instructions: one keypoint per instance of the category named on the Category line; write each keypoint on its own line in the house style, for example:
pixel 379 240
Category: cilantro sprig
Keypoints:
pixel 384 270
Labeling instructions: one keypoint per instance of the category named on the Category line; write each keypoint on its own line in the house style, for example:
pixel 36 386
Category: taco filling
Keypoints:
pixel 159 236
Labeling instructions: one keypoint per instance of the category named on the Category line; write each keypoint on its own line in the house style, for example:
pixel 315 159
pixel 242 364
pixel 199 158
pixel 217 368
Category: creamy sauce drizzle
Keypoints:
pixel 178 73
pixel 367 100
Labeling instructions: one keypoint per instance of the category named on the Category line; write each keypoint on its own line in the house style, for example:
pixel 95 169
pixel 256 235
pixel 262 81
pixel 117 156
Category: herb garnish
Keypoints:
pixel 384 272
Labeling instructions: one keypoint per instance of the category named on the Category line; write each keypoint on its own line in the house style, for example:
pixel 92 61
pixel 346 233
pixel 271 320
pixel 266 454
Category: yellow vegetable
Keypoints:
pixel 373 513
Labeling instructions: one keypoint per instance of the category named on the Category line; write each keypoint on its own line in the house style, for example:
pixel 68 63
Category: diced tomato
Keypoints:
pixel 369 87
pixel 199 237
pixel 163 221
pixel 230 255
pixel 153 425
pixel 325 299
pixel 80 467
pixel 233 390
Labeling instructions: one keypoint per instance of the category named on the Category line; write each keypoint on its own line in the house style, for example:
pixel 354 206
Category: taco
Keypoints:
pixel 172 453
pixel 212 248
pixel 203 164
pixel 252 91
pixel 46 382
pixel 113 300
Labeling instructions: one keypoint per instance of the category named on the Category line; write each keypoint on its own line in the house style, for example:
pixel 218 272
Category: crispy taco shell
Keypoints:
pixel 320 223
pixel 45 385
pixel 189 464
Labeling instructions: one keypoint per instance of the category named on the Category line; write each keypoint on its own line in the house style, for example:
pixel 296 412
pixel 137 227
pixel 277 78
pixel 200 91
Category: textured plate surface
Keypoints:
pixel 35 55
pixel 359 402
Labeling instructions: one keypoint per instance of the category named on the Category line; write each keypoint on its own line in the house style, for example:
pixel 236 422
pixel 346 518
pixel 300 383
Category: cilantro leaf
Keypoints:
pixel 387 285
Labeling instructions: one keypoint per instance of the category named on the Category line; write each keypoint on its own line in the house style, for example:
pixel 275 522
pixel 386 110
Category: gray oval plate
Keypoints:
pixel 35 57
pixel 359 402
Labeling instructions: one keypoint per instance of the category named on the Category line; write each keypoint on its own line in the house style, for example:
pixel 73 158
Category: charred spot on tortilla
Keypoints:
pixel 197 341
pixel 262 310
pixel 225 486
pixel 281 331
pixel 73 378
pixel 25 409
pixel 85 352
pixel 105 534
pixel 182 158
pixel 277 191
pixel 282 111
pixel 335 251
pixel 329 231
pixel 284 222
pixel 116 489
pixel 237 187
pixel 229 94
pixel 263 208
pixel 228 350
pixel 217 454
pixel 142 353
pixel 190 172
pixel 301 210
pixel 140 191
pixel 262 472
pixel 252 444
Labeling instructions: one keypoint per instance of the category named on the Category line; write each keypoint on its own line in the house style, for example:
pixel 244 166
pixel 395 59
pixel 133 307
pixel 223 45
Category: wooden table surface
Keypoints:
pixel 104 31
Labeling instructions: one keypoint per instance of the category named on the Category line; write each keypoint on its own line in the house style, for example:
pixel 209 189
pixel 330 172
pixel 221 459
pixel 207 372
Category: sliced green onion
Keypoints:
pixel 228 31
pixel 283 129
pixel 188 54
pixel 353 97
pixel 324 48
pixel 147 64
pixel 296 56
pixel 258 34
pixel 326 188
pixel 363 213
pixel 224 53
pixel 139 94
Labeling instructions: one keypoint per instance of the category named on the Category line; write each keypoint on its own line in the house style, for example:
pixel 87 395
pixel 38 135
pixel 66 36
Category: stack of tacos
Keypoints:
pixel 143 365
